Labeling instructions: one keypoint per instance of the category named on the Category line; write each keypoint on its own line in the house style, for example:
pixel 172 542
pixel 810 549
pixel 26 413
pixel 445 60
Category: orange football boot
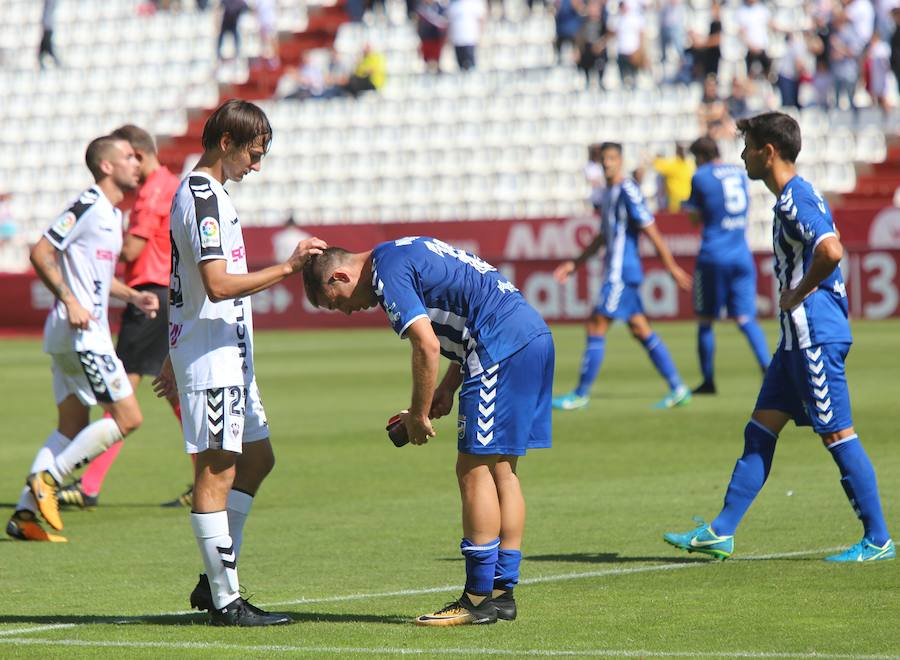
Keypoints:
pixel 44 487
pixel 24 526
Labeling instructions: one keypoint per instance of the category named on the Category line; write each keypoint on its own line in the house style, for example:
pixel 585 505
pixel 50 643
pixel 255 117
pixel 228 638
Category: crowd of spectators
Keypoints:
pixel 841 46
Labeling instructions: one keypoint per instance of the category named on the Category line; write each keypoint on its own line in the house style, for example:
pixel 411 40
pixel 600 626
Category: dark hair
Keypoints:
pixel 137 137
pixel 776 128
pixel 99 150
pixel 315 269
pixel 610 145
pixel 245 122
pixel 704 149
pixel 594 151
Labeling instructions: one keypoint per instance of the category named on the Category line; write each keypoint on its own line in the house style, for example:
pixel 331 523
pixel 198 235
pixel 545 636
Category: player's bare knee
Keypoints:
pixel 829 439
pixel 128 419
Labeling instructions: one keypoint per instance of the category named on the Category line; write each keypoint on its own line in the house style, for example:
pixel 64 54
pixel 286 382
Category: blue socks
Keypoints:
pixel 858 480
pixel 661 359
pixel 757 339
pixel 706 350
pixel 506 575
pixel 590 364
pixel 750 473
pixel 481 565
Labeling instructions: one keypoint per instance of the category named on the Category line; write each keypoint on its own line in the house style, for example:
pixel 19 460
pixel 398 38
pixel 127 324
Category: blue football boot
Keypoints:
pixel 703 540
pixel 865 550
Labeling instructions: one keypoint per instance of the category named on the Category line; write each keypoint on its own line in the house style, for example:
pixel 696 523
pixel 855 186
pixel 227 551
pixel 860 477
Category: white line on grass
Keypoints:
pixel 412 592
pixel 33 629
pixel 463 652
pixel 546 578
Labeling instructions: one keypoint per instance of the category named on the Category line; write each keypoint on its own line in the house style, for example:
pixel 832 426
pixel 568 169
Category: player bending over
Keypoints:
pixel 449 302
pixel 805 380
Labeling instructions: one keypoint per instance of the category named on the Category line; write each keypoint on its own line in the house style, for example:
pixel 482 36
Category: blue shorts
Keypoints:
pixel 810 385
pixel 732 287
pixel 505 410
pixel 619 301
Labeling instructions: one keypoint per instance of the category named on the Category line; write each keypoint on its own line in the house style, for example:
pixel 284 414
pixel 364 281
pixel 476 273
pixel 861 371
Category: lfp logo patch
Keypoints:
pixel 64 224
pixel 209 233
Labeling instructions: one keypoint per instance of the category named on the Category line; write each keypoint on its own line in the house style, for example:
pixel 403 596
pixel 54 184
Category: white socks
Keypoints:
pixel 92 440
pixel 239 504
pixel 44 460
pixel 219 556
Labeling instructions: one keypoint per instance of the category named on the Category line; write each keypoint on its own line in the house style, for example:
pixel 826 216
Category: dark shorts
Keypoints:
pixel 144 342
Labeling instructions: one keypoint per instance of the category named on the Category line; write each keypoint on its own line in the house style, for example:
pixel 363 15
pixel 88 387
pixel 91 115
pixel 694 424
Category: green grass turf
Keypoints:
pixel 346 513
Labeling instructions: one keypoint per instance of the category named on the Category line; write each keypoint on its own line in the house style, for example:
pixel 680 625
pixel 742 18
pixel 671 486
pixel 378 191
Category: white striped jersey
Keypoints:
pixel 802 221
pixel 88 236
pixel 479 316
pixel 210 343
pixel 623 214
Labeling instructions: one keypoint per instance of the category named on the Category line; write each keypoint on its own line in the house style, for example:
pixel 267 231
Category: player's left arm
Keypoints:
pixel 682 279
pixel 826 257
pixel 426 356
pixel 146 301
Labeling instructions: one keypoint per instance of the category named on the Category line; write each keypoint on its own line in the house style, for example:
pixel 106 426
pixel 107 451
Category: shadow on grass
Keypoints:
pixel 198 618
pixel 123 505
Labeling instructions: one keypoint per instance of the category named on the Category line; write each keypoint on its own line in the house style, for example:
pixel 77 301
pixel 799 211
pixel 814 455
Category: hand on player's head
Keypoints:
pixel 304 250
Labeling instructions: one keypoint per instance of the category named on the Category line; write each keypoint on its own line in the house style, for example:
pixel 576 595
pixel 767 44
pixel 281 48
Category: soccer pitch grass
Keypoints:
pixel 355 537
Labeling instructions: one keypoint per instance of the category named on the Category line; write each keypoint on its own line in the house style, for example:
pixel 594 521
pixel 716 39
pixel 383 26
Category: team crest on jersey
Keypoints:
pixel 209 233
pixel 235 429
pixel 461 427
pixel 64 224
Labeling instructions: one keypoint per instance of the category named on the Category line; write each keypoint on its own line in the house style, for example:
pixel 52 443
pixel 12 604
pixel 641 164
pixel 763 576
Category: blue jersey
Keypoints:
pixel 802 221
pixel 719 193
pixel 623 215
pixel 479 317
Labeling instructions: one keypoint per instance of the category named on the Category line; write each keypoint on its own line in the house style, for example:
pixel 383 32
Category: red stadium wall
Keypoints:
pixel 527 251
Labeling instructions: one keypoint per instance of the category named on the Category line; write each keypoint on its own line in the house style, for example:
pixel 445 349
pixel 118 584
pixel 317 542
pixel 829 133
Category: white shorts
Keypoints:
pixel 92 377
pixel 222 418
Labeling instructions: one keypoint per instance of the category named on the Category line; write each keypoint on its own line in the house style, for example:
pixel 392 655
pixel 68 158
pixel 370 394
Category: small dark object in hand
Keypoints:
pixel 396 430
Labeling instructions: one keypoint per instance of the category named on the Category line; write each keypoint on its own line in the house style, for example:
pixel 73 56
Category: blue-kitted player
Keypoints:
pixel 805 380
pixel 623 217
pixel 449 302
pixel 725 276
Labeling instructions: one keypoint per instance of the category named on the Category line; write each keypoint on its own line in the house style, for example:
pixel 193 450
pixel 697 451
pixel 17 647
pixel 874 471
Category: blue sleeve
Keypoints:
pixel 695 201
pixel 397 283
pixel 808 219
pixel 638 213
